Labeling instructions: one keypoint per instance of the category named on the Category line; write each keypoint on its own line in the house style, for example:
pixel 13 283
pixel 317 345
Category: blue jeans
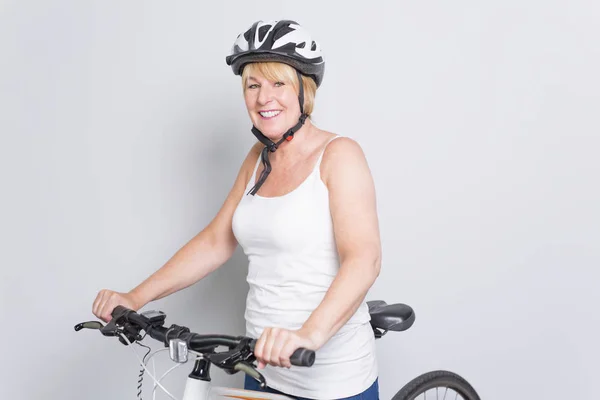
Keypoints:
pixel 371 393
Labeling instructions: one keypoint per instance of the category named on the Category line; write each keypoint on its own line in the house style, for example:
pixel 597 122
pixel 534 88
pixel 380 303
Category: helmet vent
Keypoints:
pixel 262 32
pixel 281 32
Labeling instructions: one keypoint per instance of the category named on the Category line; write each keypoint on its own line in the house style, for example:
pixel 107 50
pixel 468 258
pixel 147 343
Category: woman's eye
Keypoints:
pixel 253 86
pixel 279 84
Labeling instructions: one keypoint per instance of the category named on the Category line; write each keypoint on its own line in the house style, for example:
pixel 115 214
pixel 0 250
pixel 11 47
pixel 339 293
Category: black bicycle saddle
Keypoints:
pixel 392 317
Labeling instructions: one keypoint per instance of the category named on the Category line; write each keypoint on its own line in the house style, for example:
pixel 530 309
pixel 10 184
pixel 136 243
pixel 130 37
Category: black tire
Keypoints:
pixel 442 380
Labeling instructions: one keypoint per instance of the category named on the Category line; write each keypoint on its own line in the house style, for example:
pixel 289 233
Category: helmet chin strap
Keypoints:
pixel 270 146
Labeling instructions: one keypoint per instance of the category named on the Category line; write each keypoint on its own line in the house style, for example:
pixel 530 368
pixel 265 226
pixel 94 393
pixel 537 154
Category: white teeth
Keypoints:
pixel 269 114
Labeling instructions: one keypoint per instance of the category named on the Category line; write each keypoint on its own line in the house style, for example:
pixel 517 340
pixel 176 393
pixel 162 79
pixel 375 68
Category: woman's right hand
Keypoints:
pixel 107 300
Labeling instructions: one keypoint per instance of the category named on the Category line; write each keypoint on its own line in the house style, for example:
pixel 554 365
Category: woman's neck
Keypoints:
pixel 301 144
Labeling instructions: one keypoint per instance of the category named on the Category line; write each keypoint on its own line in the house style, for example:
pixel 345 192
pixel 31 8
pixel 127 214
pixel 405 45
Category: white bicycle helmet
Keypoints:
pixel 282 41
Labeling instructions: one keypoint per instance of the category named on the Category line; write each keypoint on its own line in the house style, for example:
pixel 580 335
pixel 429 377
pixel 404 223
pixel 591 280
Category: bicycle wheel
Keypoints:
pixel 437 385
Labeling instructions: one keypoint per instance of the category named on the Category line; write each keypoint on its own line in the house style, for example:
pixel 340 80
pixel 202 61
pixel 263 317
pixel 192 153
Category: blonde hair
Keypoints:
pixel 276 71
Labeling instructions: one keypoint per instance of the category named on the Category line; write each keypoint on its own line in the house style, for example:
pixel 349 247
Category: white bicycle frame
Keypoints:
pixel 196 389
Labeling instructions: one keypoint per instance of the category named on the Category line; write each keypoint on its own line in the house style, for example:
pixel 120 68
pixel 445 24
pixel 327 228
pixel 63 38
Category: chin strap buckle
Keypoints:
pixel 296 128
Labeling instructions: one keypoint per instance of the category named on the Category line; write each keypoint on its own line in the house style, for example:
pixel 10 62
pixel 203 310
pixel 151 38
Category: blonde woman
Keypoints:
pixel 303 209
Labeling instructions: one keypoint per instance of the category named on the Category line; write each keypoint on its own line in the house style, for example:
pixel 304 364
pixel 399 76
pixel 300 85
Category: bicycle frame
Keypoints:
pixel 203 390
pixel 198 387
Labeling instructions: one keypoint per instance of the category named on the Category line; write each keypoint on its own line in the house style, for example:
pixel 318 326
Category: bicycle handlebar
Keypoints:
pixel 301 357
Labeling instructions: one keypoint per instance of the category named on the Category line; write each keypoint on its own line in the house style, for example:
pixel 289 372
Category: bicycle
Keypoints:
pixel 127 325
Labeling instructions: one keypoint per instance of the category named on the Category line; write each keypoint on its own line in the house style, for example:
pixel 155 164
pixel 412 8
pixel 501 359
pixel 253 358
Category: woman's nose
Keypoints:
pixel 265 95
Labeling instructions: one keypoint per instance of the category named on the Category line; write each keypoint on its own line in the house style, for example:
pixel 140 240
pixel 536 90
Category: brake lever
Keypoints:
pixel 251 370
pixel 229 359
pixel 111 329
pixel 89 325
pixel 226 360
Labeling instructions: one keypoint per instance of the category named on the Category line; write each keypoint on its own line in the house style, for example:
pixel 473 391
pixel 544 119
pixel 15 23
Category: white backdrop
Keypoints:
pixel 123 129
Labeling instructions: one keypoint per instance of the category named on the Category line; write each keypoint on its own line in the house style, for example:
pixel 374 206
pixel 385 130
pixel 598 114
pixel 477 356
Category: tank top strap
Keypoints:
pixel 323 151
pixel 252 180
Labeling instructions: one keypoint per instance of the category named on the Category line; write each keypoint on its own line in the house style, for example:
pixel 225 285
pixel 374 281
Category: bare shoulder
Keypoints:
pixel 340 154
pixel 352 199
pixel 342 147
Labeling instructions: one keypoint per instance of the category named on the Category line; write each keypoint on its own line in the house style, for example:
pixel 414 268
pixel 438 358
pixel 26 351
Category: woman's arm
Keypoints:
pixel 346 174
pixel 204 253
pixel 356 228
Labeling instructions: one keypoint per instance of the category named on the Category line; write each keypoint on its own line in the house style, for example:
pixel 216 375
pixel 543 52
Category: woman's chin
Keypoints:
pixel 273 133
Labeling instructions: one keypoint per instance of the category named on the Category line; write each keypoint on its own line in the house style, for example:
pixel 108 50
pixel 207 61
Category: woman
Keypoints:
pixel 304 212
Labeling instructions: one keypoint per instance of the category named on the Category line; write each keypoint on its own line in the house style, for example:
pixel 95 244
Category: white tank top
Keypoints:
pixel 293 260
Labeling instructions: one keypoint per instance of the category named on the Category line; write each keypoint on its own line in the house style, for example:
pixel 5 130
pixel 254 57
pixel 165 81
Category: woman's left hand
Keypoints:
pixel 276 345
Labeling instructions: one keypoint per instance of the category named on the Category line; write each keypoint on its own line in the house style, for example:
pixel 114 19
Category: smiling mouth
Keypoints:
pixel 269 114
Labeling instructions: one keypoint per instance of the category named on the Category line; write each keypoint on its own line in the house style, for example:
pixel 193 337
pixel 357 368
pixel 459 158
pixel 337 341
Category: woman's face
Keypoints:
pixel 272 105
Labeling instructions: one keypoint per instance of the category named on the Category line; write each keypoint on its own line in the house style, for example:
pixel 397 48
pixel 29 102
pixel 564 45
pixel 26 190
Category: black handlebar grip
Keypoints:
pixel 119 310
pixel 303 358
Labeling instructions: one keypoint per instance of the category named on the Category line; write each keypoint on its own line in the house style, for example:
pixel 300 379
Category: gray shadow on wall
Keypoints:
pixel 215 304
pixel 211 158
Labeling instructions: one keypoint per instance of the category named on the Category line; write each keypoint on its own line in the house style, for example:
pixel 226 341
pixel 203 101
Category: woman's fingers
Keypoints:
pixel 275 347
pixel 106 307
pixel 97 303
pixel 107 300
pixel 283 340
pixel 271 335
pixel 259 348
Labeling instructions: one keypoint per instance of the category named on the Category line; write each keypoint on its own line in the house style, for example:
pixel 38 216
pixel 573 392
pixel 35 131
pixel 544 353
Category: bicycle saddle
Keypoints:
pixel 393 317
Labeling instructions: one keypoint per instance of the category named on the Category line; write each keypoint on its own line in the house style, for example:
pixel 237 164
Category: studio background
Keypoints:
pixel 123 130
